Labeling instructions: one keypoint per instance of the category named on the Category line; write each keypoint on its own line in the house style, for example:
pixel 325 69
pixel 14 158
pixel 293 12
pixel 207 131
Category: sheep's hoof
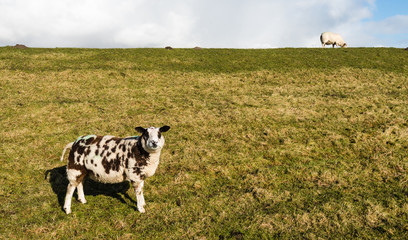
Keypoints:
pixel 82 201
pixel 141 209
pixel 67 210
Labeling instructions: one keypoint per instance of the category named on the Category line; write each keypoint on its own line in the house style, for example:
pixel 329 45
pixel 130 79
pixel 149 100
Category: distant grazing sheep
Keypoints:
pixel 110 159
pixel 329 38
pixel 168 48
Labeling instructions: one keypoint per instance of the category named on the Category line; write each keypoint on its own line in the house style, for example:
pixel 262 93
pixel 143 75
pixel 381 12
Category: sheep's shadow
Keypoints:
pixel 59 182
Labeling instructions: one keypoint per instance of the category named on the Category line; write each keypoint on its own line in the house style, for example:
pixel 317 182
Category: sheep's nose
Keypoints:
pixel 154 143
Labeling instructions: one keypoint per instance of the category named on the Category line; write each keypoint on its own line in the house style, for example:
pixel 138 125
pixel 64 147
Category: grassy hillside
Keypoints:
pixel 279 143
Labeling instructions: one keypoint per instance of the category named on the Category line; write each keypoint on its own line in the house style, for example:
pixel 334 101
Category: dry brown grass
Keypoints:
pixel 263 144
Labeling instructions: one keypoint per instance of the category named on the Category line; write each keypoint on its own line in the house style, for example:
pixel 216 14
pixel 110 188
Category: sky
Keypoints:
pixel 203 23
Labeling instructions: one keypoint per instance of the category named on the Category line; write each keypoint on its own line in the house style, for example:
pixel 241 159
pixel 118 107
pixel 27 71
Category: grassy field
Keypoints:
pixel 277 143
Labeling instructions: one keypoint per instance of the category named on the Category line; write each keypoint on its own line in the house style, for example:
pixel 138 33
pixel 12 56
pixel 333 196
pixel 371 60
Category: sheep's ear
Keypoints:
pixel 140 129
pixel 164 128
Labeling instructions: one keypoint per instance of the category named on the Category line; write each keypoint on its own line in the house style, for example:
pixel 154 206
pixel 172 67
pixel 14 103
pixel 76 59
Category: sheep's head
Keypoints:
pixel 152 139
pixel 344 45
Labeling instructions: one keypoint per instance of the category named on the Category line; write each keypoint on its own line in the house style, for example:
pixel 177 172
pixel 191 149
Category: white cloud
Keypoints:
pixel 393 25
pixel 189 23
pixel 145 27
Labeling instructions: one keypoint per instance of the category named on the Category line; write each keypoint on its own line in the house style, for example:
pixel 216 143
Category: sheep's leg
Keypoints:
pixel 324 45
pixel 141 185
pixel 75 178
pixel 138 185
pixel 81 195
pixel 68 197
pixel 334 44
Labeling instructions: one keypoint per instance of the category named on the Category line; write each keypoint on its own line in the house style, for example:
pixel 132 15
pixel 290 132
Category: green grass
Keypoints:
pixel 277 143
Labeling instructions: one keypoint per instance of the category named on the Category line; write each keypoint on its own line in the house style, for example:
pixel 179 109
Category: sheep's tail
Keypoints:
pixel 69 145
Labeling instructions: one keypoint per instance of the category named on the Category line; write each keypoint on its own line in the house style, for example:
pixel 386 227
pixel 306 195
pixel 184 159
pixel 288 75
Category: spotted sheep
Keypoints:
pixel 110 159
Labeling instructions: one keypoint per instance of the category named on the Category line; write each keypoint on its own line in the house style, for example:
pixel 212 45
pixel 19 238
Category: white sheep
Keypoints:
pixel 328 38
pixel 110 159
